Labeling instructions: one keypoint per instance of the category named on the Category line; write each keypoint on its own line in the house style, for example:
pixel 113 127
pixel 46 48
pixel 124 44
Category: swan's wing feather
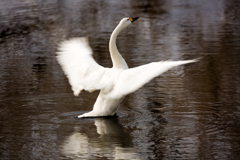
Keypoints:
pixel 75 57
pixel 132 79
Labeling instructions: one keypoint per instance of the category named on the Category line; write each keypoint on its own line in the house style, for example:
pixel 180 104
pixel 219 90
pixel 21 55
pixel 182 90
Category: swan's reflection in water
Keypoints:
pixel 112 143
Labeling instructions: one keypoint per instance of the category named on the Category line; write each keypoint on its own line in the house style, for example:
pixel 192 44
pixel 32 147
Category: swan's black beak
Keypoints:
pixel 133 19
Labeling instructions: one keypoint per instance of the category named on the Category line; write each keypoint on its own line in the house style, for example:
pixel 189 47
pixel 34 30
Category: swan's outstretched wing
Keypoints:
pixel 132 79
pixel 75 57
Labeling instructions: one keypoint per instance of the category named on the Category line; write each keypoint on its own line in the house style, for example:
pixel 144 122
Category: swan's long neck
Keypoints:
pixel 117 59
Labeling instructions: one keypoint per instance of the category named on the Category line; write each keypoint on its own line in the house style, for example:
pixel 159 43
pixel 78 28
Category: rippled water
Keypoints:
pixel 190 112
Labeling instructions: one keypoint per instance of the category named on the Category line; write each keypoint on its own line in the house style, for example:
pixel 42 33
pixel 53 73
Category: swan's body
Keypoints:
pixel 75 57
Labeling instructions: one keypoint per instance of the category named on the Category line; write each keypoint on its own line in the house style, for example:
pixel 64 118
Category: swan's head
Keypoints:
pixel 127 21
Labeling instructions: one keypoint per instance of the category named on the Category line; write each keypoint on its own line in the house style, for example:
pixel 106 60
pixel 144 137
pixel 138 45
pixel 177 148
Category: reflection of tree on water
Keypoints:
pixel 113 142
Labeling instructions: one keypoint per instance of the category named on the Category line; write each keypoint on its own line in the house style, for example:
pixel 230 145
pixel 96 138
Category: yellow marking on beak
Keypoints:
pixel 130 19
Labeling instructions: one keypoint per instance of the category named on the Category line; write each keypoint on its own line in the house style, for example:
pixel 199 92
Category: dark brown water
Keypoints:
pixel 190 112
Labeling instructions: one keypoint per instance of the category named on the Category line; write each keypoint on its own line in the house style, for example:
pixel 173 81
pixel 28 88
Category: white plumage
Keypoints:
pixel 75 57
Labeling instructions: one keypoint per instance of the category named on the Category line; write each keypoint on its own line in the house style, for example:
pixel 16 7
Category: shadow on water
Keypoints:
pixel 190 112
pixel 108 140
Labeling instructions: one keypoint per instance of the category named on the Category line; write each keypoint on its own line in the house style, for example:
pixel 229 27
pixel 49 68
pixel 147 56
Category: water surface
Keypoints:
pixel 189 112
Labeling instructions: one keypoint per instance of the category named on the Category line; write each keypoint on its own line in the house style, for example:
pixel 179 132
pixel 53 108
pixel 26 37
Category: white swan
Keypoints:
pixel 75 57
